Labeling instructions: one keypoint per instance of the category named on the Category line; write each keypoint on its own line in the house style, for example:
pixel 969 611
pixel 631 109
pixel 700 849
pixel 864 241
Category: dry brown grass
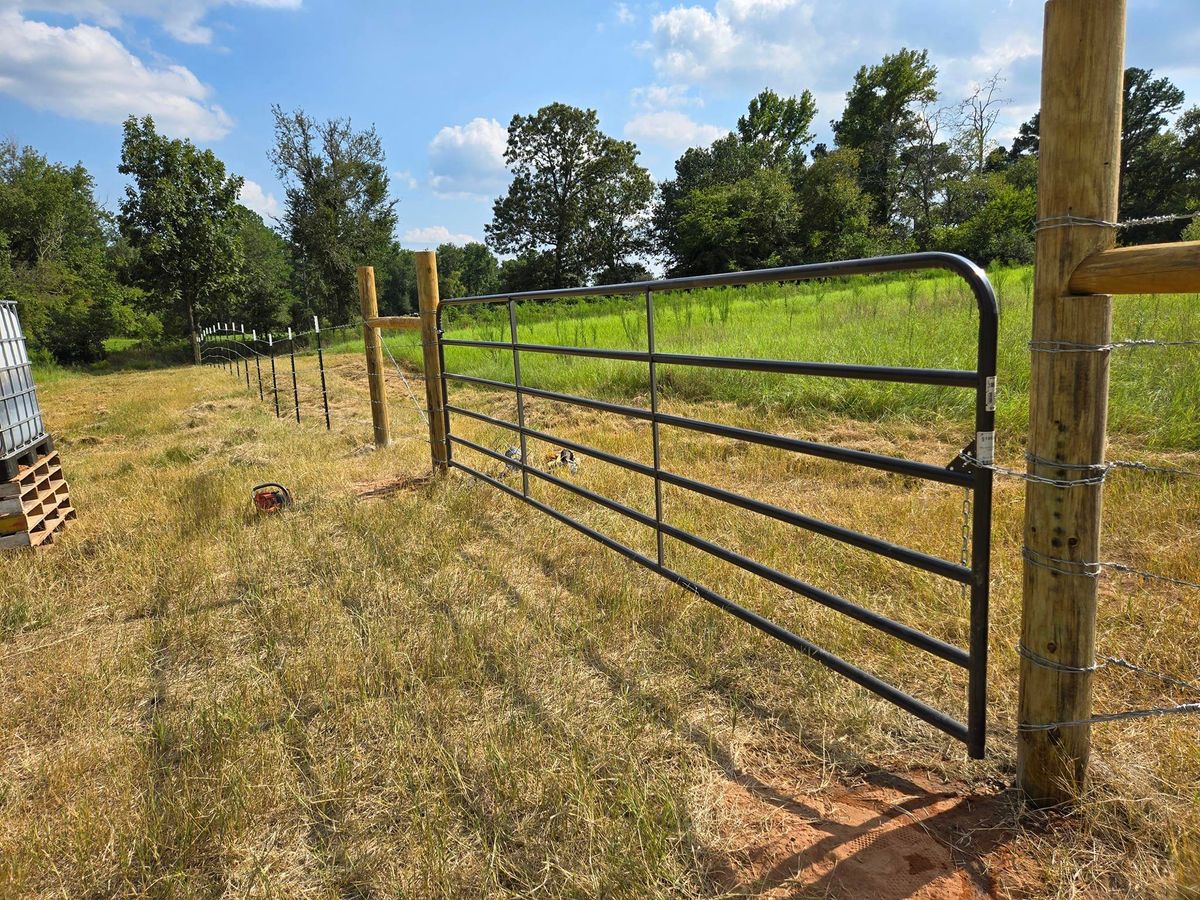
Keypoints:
pixel 435 691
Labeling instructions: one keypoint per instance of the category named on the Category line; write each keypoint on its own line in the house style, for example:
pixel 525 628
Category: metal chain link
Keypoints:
pixel 964 555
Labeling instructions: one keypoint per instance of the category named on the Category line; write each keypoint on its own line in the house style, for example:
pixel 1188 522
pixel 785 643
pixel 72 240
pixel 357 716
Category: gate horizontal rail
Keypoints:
pixel 977 479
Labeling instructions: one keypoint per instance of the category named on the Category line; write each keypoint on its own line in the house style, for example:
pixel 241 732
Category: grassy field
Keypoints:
pixel 412 689
pixel 906 321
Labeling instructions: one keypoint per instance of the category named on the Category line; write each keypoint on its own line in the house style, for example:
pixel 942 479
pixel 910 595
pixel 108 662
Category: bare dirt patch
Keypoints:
pixel 890 836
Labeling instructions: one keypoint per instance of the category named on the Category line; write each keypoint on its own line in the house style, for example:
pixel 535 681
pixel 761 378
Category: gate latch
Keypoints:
pixel 963 462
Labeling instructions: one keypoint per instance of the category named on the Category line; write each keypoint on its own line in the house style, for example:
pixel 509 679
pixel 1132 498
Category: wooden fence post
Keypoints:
pixel 435 399
pixel 1080 147
pixel 374 344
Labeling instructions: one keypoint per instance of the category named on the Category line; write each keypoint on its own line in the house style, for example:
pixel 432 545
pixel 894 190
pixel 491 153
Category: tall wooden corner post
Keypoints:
pixel 374 344
pixel 435 397
pixel 1078 178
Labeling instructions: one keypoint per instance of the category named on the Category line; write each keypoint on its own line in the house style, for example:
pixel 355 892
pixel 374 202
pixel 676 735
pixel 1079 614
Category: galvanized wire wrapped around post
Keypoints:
pixel 429 304
pixel 1079 173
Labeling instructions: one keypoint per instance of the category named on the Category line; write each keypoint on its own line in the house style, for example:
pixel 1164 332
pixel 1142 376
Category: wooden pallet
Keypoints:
pixel 10 466
pixel 35 505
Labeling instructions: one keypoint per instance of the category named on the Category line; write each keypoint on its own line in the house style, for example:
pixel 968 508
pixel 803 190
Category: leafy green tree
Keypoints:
pixel 576 194
pixel 881 119
pixel 53 256
pixel 924 166
pixel 530 271
pixel 265 300
pixel 396 282
pixel 469 270
pixel 773 134
pixel 989 218
pixel 1152 158
pixel 749 224
pixel 338 211
pixel 835 220
pixel 179 214
pixel 780 127
pixel 1028 138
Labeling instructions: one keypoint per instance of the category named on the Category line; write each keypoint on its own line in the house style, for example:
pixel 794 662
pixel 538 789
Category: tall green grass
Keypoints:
pixel 921 320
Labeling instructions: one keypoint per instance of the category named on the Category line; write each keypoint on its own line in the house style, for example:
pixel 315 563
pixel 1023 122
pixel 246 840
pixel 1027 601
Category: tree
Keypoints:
pixel 467 271
pixel 53 256
pixel 773 134
pixel 780 126
pixel 1028 138
pixel 749 224
pixel 924 166
pixel 835 220
pixel 338 211
pixel 976 118
pixel 881 119
pixel 265 299
pixel 989 218
pixel 1152 158
pixel 180 215
pixel 576 194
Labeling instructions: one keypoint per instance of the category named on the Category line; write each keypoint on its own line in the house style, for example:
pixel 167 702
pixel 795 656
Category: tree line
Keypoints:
pixel 907 170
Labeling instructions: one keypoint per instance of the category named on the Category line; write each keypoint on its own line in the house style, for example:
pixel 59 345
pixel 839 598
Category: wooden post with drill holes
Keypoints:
pixel 1079 165
pixel 435 398
pixel 374 344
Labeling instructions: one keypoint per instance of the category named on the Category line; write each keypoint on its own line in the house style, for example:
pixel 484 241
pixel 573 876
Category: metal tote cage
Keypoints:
pixel 20 416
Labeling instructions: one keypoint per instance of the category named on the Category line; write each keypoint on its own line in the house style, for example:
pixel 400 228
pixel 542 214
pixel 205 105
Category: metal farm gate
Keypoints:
pixel 962 473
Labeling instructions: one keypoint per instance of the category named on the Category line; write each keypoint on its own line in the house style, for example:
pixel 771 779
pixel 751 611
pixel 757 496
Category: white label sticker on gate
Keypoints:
pixel 985 447
pixel 989 394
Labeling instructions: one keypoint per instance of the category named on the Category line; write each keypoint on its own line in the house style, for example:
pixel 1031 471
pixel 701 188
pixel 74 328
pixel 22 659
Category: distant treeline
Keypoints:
pixel 908 170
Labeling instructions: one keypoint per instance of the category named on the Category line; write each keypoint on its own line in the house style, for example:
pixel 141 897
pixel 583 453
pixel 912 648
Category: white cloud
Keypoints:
pixel 625 15
pixel 742 39
pixel 672 128
pixel 263 203
pixel 469 159
pixel 432 235
pixel 182 19
pixel 405 178
pixel 663 96
pixel 86 73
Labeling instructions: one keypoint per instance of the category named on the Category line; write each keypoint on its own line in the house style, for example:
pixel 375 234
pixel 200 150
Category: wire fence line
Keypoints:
pixel 1095 475
pixel 1070 221
pixel 235 347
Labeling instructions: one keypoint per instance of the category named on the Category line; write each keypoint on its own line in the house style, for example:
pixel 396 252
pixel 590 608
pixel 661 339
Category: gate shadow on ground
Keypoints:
pixel 896 836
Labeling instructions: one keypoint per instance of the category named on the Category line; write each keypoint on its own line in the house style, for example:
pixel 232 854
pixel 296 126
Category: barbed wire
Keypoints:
pixel 1104 663
pixel 1067 221
pixel 407 386
pixel 1086 569
pixel 1073 347
pixel 1101 470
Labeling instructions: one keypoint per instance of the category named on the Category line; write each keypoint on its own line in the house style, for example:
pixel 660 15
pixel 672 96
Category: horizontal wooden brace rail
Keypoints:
pixel 406 323
pixel 1148 269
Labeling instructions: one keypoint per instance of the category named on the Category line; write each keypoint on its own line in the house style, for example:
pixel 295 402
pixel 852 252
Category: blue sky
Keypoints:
pixel 440 81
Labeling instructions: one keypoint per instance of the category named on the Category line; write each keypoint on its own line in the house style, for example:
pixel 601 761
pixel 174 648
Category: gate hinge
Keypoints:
pixel 962 462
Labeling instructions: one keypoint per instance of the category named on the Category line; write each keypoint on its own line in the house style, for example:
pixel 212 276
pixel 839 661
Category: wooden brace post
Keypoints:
pixel 1079 166
pixel 435 398
pixel 374 346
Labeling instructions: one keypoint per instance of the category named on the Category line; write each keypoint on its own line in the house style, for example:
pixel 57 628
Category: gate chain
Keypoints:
pixel 963 557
